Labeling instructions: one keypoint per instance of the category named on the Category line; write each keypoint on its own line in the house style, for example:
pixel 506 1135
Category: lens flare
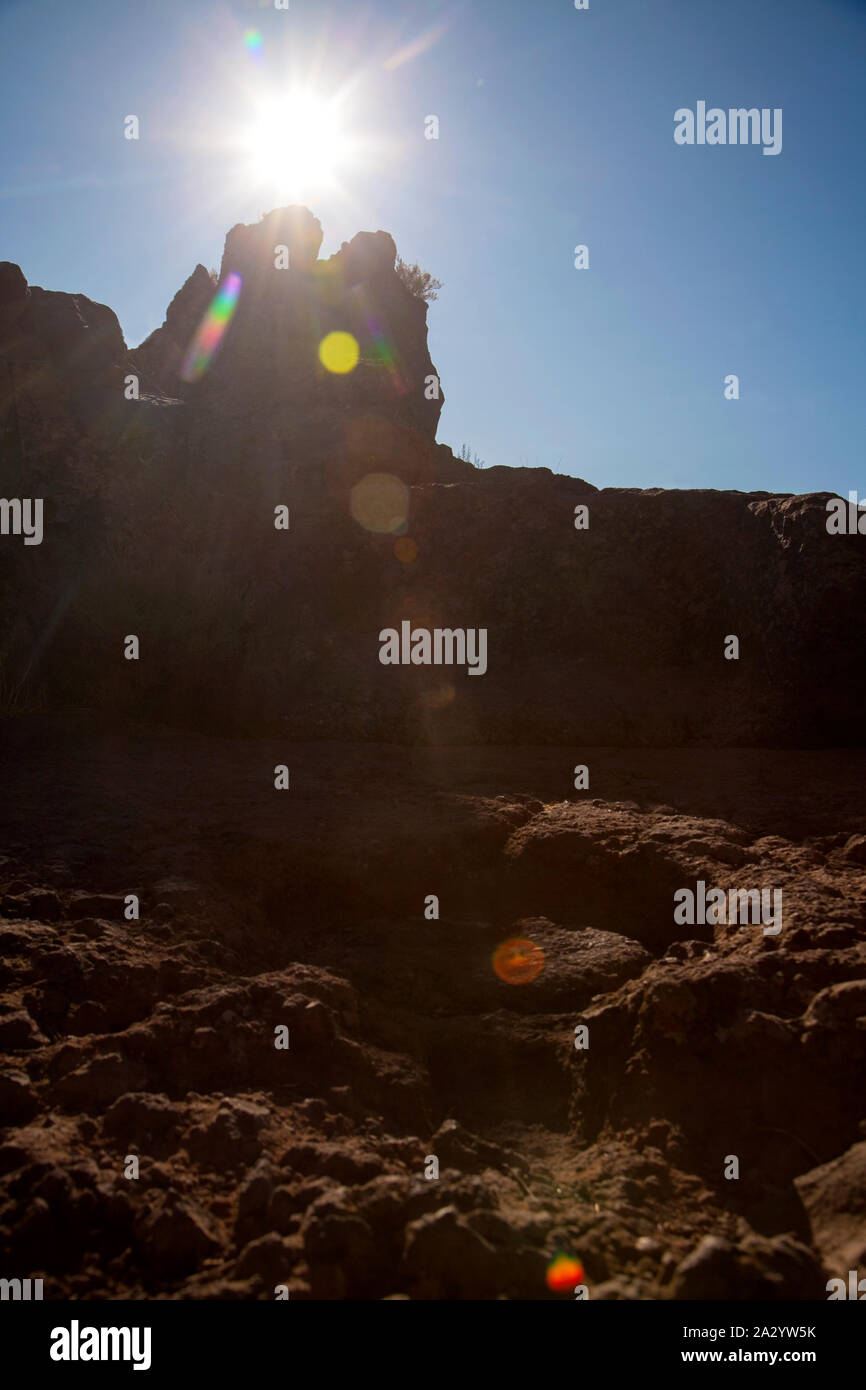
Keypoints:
pixel 564 1273
pixel 211 331
pixel 253 42
pixel 380 503
pixel 296 143
pixel 439 697
pixel 339 353
pixel 405 549
pixel 385 353
pixel 518 961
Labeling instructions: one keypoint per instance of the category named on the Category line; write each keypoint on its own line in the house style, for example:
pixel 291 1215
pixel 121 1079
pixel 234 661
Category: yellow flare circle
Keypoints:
pixel 339 353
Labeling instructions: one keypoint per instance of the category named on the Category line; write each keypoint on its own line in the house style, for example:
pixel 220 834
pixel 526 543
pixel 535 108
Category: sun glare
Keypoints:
pixel 296 144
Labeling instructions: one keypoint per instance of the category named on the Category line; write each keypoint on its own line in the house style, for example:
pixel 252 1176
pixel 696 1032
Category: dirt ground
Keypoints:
pixel 707 1140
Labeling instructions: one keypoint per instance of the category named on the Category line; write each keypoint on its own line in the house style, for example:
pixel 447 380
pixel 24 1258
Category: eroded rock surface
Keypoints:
pixel 154 1038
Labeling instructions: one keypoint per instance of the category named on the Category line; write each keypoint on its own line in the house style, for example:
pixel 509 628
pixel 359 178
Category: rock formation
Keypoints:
pixel 148 1034
pixel 613 633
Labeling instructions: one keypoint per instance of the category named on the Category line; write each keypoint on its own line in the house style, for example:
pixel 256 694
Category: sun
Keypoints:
pixel 296 143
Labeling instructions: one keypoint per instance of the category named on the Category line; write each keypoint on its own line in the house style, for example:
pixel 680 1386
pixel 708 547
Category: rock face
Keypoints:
pixel 160 521
pixel 159 358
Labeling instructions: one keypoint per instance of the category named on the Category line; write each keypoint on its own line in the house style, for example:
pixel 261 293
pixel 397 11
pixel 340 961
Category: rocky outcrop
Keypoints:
pixel 67 334
pixel 608 613
pixel 268 369
pixel 159 359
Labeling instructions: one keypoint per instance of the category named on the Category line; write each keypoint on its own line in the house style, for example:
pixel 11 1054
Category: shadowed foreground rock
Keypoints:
pixel 305 1166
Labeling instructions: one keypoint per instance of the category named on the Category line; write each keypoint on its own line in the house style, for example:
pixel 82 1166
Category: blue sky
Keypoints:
pixel 556 128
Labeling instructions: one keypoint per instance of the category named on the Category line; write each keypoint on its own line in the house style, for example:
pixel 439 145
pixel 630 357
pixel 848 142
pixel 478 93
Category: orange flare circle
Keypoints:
pixel 564 1273
pixel 438 697
pixel 405 549
pixel 518 961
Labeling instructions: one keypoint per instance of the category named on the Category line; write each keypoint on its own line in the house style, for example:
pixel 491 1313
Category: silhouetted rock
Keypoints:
pixel 13 286
pixel 160 512
pixel 160 357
